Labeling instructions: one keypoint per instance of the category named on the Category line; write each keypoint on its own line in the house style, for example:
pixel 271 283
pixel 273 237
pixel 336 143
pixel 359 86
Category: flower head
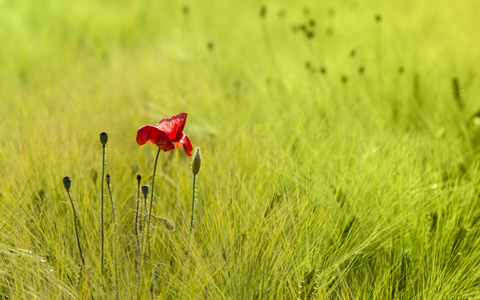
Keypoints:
pixel 103 138
pixel 167 134
pixel 145 189
pixel 67 182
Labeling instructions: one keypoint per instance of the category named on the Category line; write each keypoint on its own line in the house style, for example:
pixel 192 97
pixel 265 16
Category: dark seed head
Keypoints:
pixel 145 189
pixel 107 177
pixel 67 182
pixel 263 11
pixel 103 138
pixel 210 45
pixel 139 178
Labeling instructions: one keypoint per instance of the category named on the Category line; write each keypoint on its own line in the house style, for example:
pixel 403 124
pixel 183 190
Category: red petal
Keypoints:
pixel 173 126
pixel 151 134
pixel 185 143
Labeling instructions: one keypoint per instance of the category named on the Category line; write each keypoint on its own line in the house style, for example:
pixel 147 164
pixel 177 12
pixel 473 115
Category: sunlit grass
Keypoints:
pixel 311 185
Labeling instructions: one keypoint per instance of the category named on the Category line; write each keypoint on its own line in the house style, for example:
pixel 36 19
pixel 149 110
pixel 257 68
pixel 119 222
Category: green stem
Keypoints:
pixel 193 204
pixel 76 230
pixel 136 221
pixel 101 212
pixel 115 239
pixel 151 203
pixel 145 254
pixel 191 216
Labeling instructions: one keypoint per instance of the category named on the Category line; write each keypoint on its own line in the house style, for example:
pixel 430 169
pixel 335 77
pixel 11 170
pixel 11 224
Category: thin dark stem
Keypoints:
pixel 136 221
pixel 145 205
pixel 115 239
pixel 76 230
pixel 145 254
pixel 101 212
pixel 151 202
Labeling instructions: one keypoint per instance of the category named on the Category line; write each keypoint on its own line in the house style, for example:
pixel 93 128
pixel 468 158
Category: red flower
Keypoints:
pixel 167 135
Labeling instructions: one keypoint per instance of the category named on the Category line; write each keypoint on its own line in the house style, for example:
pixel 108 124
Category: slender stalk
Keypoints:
pixel 151 203
pixel 146 207
pixel 196 164
pixel 101 212
pixel 76 230
pixel 193 204
pixel 191 216
pixel 136 217
pixel 115 241
pixel 146 254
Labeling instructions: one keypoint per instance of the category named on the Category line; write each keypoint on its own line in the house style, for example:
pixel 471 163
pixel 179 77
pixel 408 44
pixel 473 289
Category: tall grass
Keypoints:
pixel 310 187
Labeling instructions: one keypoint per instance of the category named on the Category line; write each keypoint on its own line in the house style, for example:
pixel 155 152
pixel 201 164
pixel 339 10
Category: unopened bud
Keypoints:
pixel 139 178
pixel 67 182
pixel 168 224
pixel 103 138
pixel 145 190
pixel 107 177
pixel 197 161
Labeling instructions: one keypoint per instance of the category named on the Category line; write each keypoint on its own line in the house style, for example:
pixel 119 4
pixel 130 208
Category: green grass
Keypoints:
pixel 310 187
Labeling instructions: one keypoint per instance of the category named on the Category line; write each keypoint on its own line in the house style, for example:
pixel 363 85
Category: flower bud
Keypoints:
pixel 168 224
pixel 103 138
pixel 67 182
pixel 197 161
pixel 145 190
pixel 107 177
pixel 139 178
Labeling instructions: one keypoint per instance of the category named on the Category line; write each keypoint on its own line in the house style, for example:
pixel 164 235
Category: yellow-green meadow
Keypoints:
pixel 340 147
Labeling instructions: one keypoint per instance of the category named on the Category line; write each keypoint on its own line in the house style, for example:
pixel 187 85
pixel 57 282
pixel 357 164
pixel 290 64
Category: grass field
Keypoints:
pixel 340 148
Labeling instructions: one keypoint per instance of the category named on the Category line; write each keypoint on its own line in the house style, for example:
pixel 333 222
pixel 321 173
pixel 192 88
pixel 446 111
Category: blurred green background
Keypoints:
pixel 334 142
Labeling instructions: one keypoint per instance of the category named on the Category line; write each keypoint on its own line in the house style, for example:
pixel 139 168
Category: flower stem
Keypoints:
pixel 193 204
pixel 101 212
pixel 76 230
pixel 136 221
pixel 191 215
pixel 115 241
pixel 151 203
pixel 146 254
